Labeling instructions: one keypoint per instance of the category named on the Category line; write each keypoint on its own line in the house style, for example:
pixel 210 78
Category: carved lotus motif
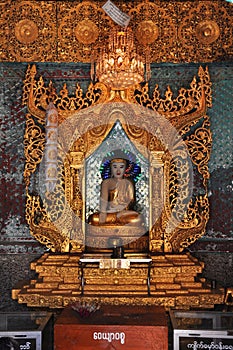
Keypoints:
pixel 86 32
pixel 26 31
pixel 147 32
pixel 207 31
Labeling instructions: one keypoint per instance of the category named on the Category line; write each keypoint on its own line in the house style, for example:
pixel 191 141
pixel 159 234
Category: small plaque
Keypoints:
pixel 215 342
pixel 114 264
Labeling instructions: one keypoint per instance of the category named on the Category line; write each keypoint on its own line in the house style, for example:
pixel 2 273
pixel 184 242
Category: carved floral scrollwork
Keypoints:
pixel 34 140
pixel 37 96
pixel 147 32
pixel 78 31
pixel 154 27
pixel 199 145
pixel 187 107
pixel 30 30
pixel 70 31
pixel 203 31
pixel 26 31
pixel 207 32
pixel 175 223
pixel 86 31
pixel 193 226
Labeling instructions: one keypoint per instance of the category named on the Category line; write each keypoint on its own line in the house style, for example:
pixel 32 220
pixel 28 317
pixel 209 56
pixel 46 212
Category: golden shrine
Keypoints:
pixel 154 269
pixel 67 137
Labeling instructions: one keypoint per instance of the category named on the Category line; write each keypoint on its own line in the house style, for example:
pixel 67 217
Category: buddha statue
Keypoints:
pixel 117 197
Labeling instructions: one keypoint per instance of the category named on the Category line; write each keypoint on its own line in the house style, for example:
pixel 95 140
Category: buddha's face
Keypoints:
pixel 118 169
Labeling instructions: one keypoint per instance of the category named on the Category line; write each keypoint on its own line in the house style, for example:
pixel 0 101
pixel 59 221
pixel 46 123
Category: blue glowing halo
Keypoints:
pixel 133 169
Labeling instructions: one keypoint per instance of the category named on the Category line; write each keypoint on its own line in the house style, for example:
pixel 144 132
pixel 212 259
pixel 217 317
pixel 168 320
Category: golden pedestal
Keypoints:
pixel 170 280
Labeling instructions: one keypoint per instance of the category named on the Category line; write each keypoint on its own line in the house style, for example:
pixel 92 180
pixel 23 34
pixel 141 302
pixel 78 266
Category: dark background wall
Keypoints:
pixel 18 248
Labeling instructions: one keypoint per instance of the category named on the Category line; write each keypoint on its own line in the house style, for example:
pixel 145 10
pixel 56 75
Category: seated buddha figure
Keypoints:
pixel 117 197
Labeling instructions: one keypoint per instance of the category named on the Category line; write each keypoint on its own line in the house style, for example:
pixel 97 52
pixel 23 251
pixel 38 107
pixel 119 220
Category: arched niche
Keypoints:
pixel 166 165
pixel 177 218
pixel 116 139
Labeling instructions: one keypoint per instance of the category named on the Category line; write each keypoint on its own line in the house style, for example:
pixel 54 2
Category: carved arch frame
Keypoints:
pixel 186 113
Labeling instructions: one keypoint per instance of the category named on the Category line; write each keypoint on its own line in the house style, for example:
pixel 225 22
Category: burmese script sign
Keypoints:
pixel 27 330
pixel 206 343
pixel 196 330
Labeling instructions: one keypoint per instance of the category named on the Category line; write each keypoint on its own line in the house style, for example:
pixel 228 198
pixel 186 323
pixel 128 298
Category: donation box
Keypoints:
pixel 113 327
pixel 30 330
pixel 211 330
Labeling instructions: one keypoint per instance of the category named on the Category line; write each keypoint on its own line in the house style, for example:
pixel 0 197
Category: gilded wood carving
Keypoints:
pixel 172 133
pixel 70 31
